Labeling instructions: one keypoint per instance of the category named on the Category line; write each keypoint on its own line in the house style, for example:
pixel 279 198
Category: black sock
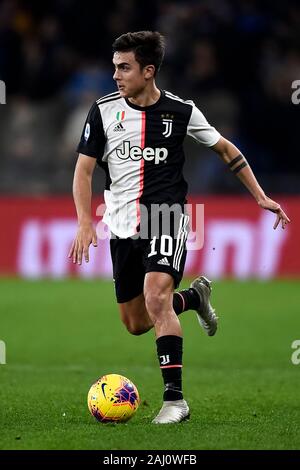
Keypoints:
pixel 184 300
pixel 169 351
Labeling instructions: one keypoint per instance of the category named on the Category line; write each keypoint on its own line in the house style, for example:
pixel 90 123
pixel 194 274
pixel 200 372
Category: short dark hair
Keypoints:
pixel 148 47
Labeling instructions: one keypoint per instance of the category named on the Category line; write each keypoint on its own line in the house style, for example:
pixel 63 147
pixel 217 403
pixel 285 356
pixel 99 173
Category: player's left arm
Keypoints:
pixel 238 164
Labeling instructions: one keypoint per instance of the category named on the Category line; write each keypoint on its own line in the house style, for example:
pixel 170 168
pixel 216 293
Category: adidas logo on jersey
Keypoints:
pixel 159 154
pixel 164 261
pixel 119 128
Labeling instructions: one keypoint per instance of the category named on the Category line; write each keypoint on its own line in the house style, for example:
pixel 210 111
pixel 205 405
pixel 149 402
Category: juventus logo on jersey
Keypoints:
pixel 167 121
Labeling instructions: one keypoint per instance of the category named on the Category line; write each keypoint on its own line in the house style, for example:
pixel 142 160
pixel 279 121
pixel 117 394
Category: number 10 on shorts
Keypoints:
pixel 164 245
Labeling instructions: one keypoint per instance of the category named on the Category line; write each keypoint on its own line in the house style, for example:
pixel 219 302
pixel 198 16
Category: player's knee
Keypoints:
pixel 155 302
pixel 137 330
pixel 134 328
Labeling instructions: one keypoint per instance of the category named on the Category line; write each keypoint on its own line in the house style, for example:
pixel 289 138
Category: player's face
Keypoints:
pixel 131 79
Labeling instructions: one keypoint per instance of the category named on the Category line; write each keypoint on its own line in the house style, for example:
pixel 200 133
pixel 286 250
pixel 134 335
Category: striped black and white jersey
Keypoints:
pixel 141 151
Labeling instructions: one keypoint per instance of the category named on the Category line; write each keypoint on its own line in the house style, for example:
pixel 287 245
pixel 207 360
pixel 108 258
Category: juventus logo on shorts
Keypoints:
pixel 168 123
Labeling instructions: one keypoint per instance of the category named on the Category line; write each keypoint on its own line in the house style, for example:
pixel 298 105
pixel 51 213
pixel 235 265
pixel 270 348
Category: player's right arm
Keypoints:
pixel 82 193
pixel 90 148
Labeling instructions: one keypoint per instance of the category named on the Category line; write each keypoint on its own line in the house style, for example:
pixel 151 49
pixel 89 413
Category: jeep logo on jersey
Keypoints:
pixel 167 120
pixel 137 153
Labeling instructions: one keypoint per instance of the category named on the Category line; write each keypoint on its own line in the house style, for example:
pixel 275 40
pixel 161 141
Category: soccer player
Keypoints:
pixel 136 135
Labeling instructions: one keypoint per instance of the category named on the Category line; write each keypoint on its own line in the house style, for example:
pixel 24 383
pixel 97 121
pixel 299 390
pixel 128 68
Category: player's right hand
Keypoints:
pixel 86 235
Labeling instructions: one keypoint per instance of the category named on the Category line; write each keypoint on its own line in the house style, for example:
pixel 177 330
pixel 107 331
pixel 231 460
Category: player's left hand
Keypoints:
pixel 273 206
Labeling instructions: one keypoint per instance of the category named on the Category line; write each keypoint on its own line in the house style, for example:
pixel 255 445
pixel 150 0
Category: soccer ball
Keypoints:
pixel 113 398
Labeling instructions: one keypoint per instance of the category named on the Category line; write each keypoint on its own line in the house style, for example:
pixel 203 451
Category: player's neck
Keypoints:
pixel 150 95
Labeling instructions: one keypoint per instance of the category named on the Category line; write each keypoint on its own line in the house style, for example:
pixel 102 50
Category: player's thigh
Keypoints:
pixel 134 312
pixel 158 282
pixel 166 251
pixel 129 274
pixel 128 270
pixel 158 292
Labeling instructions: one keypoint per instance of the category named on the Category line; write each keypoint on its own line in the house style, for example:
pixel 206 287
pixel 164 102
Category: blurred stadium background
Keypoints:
pixel 237 60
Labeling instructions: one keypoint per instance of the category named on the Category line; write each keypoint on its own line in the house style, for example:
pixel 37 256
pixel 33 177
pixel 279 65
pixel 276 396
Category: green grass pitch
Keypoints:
pixel 60 336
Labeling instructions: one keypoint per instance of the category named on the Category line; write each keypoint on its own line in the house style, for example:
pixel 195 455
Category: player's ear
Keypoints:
pixel 149 71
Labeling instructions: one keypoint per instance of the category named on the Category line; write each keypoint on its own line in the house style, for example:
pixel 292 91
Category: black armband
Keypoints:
pixel 239 158
pixel 239 167
pixel 235 160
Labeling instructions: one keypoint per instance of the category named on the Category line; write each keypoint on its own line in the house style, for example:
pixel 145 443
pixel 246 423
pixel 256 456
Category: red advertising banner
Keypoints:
pixel 239 240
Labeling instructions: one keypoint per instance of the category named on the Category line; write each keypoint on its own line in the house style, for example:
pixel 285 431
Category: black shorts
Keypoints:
pixel 133 257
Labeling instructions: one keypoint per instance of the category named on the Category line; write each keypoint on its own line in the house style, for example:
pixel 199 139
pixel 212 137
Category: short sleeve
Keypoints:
pixel 201 130
pixel 92 140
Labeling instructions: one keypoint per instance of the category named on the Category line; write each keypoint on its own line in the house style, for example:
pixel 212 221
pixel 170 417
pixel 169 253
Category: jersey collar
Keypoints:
pixel 146 108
